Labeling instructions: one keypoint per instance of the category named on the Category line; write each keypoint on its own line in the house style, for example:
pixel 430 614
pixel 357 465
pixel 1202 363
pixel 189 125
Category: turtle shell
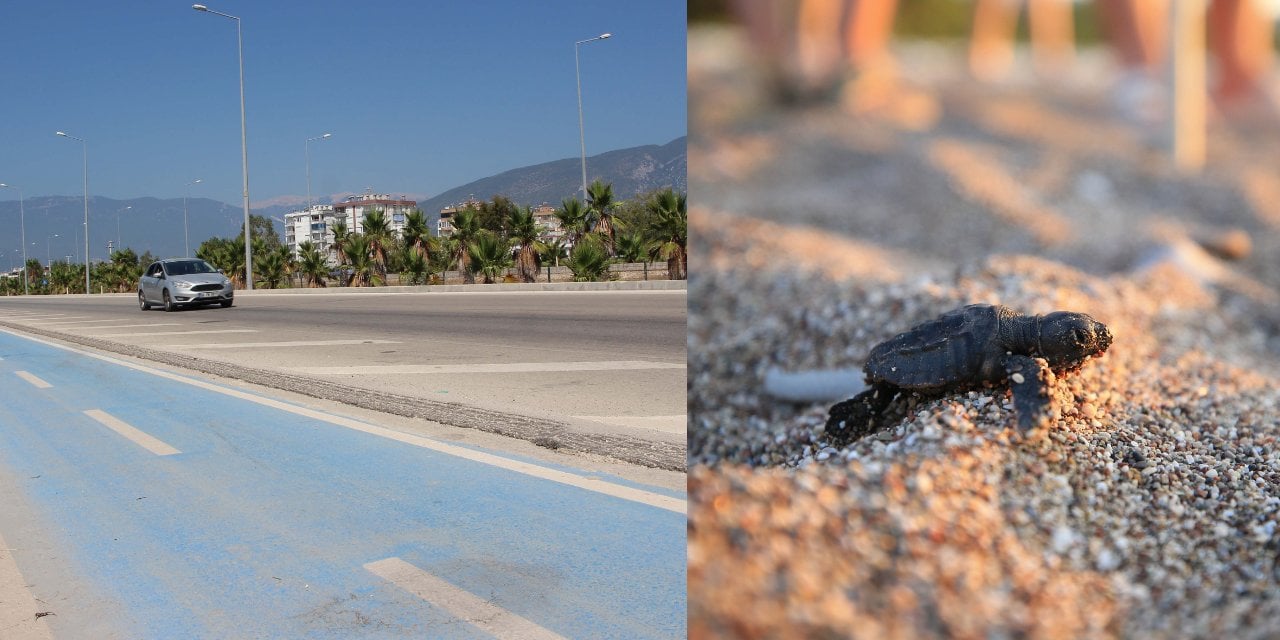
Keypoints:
pixel 945 351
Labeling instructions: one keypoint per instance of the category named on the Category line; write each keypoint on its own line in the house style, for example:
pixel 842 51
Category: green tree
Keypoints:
pixel 416 268
pixel 263 230
pixel 493 215
pixel 671 231
pixel 364 271
pixel 552 251
pixel 490 253
pixel 632 247
pixel 589 262
pixel 466 226
pixel 573 220
pixel 270 269
pixel 417 236
pixel 311 264
pixel 601 212
pixel 377 230
pixel 523 230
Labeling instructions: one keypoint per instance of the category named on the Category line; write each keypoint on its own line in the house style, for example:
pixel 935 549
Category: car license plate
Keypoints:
pixel 207 294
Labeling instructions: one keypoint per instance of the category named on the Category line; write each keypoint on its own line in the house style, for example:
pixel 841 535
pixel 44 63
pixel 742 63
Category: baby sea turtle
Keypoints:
pixel 968 347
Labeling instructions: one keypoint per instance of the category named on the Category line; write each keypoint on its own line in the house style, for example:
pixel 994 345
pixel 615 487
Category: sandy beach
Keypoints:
pixel 1148 508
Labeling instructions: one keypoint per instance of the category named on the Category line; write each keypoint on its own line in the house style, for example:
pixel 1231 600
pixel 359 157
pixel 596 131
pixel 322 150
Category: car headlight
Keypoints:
pixel 182 284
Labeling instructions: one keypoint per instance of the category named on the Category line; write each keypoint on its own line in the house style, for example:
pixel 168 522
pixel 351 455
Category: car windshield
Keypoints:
pixel 188 267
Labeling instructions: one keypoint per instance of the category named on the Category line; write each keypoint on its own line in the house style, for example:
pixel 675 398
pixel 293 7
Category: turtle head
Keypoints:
pixel 1067 339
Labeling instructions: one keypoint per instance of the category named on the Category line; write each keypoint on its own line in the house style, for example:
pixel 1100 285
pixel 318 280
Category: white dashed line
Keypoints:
pixel 137 436
pixel 171 333
pixel 298 343
pixel 37 382
pixel 508 367
pixel 463 604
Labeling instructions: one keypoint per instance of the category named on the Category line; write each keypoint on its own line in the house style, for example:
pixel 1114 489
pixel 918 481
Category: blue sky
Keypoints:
pixel 420 96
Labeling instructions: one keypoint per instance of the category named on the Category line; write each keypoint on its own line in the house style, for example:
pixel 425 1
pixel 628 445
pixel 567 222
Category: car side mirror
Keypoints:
pixel 160 275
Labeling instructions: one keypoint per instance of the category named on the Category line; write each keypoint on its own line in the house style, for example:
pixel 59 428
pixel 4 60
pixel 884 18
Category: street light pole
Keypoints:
pixel 85 146
pixel 244 149
pixel 22 217
pixel 186 241
pixel 582 136
pixel 307 149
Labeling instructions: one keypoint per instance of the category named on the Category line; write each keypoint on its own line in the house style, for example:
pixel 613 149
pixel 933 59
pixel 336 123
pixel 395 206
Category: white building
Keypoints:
pixel 314 224
pixel 352 211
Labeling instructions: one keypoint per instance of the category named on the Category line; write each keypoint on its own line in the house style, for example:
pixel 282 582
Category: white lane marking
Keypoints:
pixel 60 321
pixel 490 618
pixel 297 343
pixel 56 316
pixel 18 607
pixel 506 367
pixel 136 435
pixel 171 333
pixel 128 326
pixel 39 384
pixel 667 424
pixel 650 498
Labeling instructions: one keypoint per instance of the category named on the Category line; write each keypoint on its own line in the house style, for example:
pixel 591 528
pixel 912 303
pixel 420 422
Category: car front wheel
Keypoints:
pixel 142 302
pixel 168 302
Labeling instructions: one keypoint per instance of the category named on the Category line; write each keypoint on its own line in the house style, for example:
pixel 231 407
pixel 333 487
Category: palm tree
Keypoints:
pixel 671 228
pixel 416 268
pixel 311 264
pixel 416 234
pixel 573 219
pixel 270 269
pixel 377 230
pixel 601 214
pixel 490 253
pixel 524 232
pixel 589 261
pixel 364 271
pixel 552 251
pixel 466 226
pixel 633 248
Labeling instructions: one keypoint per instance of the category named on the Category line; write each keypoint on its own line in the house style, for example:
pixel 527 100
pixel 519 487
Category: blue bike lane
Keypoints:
pixel 261 522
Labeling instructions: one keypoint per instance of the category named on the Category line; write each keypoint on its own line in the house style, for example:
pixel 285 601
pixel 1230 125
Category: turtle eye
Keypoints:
pixel 1078 335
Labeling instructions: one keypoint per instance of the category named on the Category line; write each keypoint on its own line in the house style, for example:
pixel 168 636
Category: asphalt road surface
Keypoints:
pixel 145 501
pixel 601 372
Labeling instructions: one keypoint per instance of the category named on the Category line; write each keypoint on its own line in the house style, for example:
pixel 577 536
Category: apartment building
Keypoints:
pixel 353 209
pixel 444 226
pixel 314 224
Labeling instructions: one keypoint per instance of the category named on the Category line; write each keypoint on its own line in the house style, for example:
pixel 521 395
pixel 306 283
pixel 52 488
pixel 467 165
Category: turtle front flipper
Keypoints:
pixel 1028 379
pixel 851 420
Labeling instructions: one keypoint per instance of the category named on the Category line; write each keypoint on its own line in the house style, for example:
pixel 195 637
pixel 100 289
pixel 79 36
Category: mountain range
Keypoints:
pixel 54 223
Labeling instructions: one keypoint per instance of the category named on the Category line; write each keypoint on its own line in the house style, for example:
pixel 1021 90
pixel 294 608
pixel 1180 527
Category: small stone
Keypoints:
pixel 1017 378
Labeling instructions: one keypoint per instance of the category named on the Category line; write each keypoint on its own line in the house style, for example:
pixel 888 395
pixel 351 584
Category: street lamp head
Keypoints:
pixel 605 36
pixel 61 133
pixel 199 7
pixel 198 181
pixel 326 135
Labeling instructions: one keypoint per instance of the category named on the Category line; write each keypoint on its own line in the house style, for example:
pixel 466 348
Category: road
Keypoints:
pixel 144 501
pixel 601 372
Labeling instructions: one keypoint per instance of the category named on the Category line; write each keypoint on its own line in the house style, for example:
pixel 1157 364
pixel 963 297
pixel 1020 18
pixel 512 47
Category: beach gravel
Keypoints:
pixel 1148 508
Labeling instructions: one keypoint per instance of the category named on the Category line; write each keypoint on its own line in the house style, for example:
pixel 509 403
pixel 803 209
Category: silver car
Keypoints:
pixel 178 282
